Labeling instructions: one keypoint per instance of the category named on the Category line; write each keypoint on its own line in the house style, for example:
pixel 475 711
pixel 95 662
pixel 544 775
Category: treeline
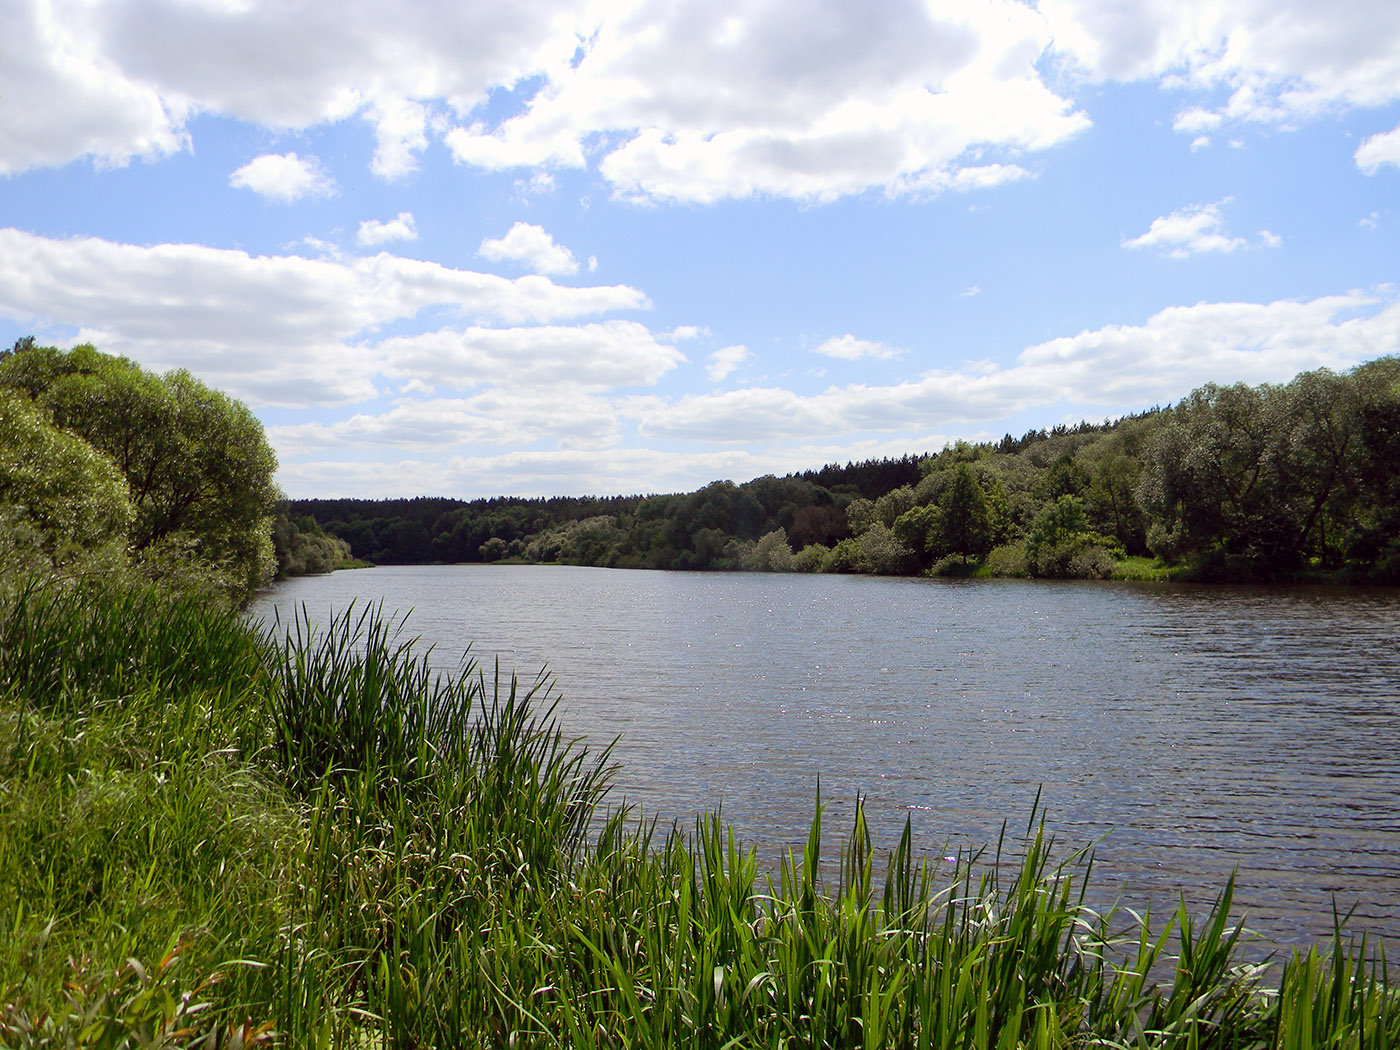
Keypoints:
pixel 1234 482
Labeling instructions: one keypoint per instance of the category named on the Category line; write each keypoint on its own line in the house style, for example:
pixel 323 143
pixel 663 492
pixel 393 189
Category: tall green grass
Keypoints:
pixel 218 837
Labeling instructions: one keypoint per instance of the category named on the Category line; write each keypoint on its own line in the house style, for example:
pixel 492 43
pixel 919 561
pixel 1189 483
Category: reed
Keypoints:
pixel 216 835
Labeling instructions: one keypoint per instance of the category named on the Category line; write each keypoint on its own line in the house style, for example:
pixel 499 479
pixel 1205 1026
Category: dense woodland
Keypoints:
pixel 1238 482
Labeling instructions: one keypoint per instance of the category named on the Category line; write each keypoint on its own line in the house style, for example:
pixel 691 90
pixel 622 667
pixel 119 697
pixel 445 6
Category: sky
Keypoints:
pixel 457 248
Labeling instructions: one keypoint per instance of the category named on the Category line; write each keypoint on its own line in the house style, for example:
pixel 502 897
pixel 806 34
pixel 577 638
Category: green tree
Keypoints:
pixel 773 553
pixel 303 548
pixel 1060 542
pixel 964 522
pixel 196 462
pixel 1112 501
pixel 883 554
pixel 61 501
pixel 1372 529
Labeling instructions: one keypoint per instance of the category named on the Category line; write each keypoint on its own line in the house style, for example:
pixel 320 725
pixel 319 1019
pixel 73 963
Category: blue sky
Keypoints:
pixel 567 248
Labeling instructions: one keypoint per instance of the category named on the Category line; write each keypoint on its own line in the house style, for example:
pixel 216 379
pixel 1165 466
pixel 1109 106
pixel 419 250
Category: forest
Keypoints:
pixel 1289 481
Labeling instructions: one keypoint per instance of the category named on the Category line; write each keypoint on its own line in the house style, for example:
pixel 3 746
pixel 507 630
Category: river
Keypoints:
pixel 1188 731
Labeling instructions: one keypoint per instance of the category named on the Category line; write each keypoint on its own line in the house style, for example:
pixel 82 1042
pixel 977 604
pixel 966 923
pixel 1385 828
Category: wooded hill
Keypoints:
pixel 1233 482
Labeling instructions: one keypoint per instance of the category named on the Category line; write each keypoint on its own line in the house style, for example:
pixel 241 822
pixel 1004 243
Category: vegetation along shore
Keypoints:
pixel 213 836
pixel 1293 482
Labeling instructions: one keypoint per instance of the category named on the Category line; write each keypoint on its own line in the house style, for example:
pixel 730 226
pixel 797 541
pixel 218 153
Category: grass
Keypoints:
pixel 311 839
pixel 1141 568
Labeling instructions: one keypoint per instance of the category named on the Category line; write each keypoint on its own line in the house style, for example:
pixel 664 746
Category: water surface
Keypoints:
pixel 1196 730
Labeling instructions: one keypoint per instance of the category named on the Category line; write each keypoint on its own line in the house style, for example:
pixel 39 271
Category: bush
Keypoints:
pixel 1007 560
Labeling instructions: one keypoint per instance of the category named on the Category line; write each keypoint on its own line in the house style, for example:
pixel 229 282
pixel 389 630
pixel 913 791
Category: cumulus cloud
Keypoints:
pixel 566 471
pixel 64 96
pixel 1109 370
pixel 723 362
pixel 402 228
pixel 401 133
pixel 271 329
pixel 849 348
pixel 283 177
pixel 1196 120
pixel 1188 231
pixel 1274 61
pixel 688 100
pixel 685 100
pixel 702 102
pixel 532 245
pixel 492 417
pixel 121 79
pixel 1379 150
pixel 604 355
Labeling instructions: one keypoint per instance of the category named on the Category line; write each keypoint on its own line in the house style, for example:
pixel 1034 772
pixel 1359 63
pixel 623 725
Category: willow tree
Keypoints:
pixel 63 504
pixel 196 462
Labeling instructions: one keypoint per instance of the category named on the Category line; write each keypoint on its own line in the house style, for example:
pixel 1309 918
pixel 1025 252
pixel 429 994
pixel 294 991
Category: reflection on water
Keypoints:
pixel 1201 730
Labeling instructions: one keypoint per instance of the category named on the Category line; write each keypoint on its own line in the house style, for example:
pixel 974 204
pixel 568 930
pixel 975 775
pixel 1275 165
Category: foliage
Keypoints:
pixel 1009 559
pixel 964 521
pixel 197 466
pixel 303 548
pixel 61 501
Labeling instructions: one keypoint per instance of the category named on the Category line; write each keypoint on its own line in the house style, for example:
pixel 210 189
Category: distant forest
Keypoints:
pixel 1291 481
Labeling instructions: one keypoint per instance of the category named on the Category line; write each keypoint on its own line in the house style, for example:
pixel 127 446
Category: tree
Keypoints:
pixel 964 523
pixel 773 553
pixel 196 462
pixel 883 554
pixel 1060 542
pixel 60 499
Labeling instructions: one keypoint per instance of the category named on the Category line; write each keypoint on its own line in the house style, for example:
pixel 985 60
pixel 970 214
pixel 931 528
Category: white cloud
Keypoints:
pixel 492 417
pixel 725 361
pixel 701 102
pixel 684 100
pixel 1196 120
pixel 530 244
pixel 1277 61
pixel 1188 231
pixel 599 356
pixel 64 98
pixel 1269 239
pixel 283 177
pixel 402 228
pixel 567 471
pixel 1109 370
pixel 1379 150
pixel 270 329
pixel 401 133
pixel 849 348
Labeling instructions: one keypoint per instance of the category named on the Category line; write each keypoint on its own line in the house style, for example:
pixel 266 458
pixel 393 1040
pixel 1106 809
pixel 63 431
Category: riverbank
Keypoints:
pixel 321 841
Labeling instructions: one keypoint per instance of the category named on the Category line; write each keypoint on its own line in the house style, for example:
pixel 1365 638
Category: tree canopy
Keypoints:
pixel 197 467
